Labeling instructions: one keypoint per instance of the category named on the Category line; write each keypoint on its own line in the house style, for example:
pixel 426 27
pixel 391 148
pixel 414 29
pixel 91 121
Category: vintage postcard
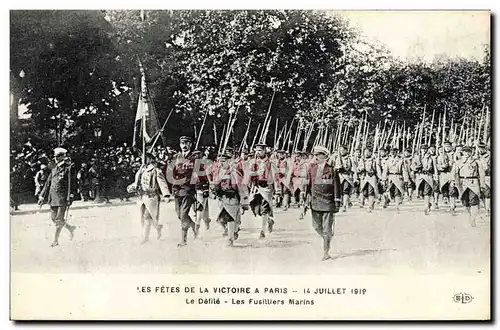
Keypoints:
pixel 250 165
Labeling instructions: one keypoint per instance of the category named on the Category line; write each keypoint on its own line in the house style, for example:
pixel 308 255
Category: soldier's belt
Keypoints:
pixel 149 193
pixel 426 172
pixel 394 173
pixel 469 177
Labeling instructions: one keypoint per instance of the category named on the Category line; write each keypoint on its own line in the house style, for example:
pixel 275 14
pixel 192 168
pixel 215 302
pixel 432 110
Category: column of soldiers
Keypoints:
pixel 321 182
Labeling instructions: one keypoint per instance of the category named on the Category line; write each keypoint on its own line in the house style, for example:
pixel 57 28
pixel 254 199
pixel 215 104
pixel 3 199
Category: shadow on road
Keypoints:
pixel 360 253
pixel 270 244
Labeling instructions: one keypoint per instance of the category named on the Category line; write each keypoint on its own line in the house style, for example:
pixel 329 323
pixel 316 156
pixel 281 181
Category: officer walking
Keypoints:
pixel 59 192
pixel 326 197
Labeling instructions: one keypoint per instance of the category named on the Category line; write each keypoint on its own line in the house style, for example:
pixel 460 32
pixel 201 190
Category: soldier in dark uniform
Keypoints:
pixel 326 197
pixel 232 193
pixel 180 173
pixel 59 192
pixel 262 182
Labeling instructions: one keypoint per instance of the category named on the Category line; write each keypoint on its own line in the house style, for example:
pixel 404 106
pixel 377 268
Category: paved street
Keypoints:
pixel 108 241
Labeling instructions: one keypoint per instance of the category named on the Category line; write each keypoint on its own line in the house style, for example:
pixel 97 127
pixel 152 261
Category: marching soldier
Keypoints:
pixel 326 193
pixel 262 181
pixel 59 191
pixel 367 172
pixel 229 188
pixel 485 161
pixel 299 181
pixel 202 195
pixel 344 166
pixel 410 185
pixel 444 164
pixel 435 188
pixel 426 170
pixel 395 174
pixel 382 159
pixel 284 192
pixel 356 158
pixel 150 184
pixel 469 177
pixel 183 189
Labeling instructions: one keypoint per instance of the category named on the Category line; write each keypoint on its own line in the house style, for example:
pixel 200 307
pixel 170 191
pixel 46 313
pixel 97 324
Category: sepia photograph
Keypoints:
pixel 250 164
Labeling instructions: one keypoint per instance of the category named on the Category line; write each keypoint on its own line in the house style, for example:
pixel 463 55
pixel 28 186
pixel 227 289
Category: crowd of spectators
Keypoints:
pixel 102 173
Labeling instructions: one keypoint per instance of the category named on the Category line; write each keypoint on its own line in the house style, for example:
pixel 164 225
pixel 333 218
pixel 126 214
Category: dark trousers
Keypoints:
pixel 425 189
pixel 57 215
pixel 183 205
pixel 449 191
pixel 260 206
pixel 323 223
pixel 469 198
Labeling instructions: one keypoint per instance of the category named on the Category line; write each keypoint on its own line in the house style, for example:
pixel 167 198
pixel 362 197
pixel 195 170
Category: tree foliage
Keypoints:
pixel 81 71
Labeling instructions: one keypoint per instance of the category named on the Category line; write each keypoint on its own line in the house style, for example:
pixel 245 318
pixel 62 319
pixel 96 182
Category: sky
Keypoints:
pixel 408 34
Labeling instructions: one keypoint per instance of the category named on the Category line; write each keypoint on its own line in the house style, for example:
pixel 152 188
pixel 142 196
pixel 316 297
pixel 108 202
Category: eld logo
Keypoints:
pixel 463 298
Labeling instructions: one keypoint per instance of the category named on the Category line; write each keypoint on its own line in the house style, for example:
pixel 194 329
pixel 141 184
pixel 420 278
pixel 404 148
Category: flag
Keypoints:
pixel 146 126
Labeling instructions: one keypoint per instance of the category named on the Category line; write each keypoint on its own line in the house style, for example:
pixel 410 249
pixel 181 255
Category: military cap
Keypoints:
pixel 424 147
pixel 447 142
pixel 481 145
pixel 261 145
pixel 225 155
pixel 321 150
pixel 467 149
pixel 60 152
pixel 185 139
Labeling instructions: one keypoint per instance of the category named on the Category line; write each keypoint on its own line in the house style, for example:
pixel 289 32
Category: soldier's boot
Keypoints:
pixel 207 223
pixel 231 228
pixel 263 222
pixel 427 205
pixel 371 203
pixel 361 201
pixel 56 235
pixel 147 230
pixel 71 230
pixel 398 202
pixel 436 201
pixel 270 224
pixel 386 200
pixel 302 212
pixel 286 202
pixel 445 200
pixel 345 202
pixel 473 214
pixel 326 247
pixel 410 193
pixel 159 229
pixel 184 234
pixel 225 232
pixel 452 206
